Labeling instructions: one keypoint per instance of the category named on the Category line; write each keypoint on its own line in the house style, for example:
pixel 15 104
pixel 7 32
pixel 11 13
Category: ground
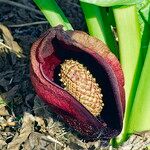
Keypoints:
pixel 25 121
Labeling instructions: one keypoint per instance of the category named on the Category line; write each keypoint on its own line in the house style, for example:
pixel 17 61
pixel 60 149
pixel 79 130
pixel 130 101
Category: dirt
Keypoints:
pixel 25 121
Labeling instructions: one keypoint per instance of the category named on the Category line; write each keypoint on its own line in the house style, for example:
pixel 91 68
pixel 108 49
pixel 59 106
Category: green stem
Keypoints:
pixel 53 13
pixel 145 40
pixel 128 30
pixel 98 25
pixel 139 118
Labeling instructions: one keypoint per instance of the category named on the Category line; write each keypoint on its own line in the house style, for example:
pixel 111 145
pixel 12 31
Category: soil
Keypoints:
pixel 25 121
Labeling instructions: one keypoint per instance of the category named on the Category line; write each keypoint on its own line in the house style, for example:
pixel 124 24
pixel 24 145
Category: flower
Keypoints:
pixel 48 56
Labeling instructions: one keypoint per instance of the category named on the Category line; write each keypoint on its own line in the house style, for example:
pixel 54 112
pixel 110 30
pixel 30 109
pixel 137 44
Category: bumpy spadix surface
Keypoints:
pixel 79 82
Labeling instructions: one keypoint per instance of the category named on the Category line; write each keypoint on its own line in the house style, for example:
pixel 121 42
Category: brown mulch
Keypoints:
pixel 25 121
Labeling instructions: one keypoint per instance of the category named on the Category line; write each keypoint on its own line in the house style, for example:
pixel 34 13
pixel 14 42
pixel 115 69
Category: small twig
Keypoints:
pixel 52 126
pixel 55 146
pixel 4 45
pixel 20 6
pixel 62 134
pixel 51 139
pixel 27 24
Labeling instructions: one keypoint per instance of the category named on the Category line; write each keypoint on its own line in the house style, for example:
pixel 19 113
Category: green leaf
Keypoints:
pixel 99 26
pixel 53 13
pixel 129 34
pixel 137 99
pixel 140 116
pixel 143 16
pixel 145 12
pixel 112 2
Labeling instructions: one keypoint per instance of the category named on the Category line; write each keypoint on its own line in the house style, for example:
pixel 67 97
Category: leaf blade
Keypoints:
pixel 107 3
